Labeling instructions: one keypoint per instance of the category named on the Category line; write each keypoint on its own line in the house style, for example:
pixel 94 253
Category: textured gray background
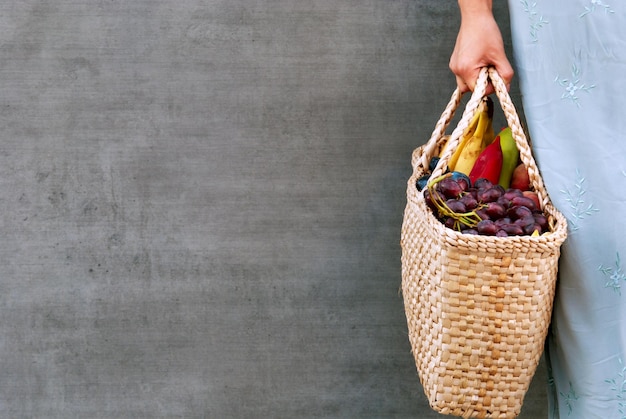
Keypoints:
pixel 201 205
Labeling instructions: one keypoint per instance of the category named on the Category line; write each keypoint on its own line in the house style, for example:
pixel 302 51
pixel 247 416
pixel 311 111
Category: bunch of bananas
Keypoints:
pixel 476 137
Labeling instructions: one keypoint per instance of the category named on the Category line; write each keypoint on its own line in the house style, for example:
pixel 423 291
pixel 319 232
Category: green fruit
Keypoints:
pixel 510 157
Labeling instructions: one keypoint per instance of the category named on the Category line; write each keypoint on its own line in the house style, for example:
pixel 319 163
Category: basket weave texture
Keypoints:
pixel 477 307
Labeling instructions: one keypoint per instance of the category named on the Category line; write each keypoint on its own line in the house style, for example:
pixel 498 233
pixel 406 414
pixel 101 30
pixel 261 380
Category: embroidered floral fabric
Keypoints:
pixel 570 60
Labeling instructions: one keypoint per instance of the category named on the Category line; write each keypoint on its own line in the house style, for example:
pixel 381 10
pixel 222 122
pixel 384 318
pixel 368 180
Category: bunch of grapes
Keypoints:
pixel 483 208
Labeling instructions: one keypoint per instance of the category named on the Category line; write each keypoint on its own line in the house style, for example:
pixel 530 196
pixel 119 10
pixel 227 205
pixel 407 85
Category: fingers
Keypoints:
pixel 505 70
pixel 466 78
pixel 506 73
pixel 463 87
pixel 468 83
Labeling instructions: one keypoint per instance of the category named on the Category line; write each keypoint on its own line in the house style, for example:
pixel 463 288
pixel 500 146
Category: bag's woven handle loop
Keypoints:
pixel 440 128
pixel 486 74
pixel 520 137
pixel 446 117
pixel 455 137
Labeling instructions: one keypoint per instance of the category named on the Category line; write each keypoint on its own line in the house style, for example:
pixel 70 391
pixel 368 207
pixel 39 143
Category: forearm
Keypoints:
pixel 479 44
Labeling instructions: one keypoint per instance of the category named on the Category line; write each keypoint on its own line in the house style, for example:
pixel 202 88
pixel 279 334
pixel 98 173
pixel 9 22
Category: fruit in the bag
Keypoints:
pixel 512 229
pixel 471 150
pixel 517 212
pixel 450 188
pixel 495 211
pixel 469 200
pixel 487 228
pixel 511 193
pixel 482 183
pixel 445 140
pixel 462 179
pixel 541 220
pixel 525 201
pixel 485 208
pixel 468 133
pixel 520 179
pixel 489 194
pixel 533 195
pixel 510 157
pixel 488 165
pixel 482 213
pixel 433 163
pixel 456 206
pixel 489 132
pixel 473 142
pixel 422 182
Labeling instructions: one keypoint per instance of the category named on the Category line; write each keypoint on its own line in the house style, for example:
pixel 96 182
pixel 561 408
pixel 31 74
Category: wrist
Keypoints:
pixel 471 8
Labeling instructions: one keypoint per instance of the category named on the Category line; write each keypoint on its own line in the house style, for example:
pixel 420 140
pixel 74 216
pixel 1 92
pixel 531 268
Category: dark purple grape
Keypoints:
pixel 500 188
pixel 462 179
pixel 518 211
pixel 502 233
pixel 456 206
pixel 487 228
pixel 471 231
pixel 488 195
pixel 430 196
pixel 531 228
pixel 512 229
pixel 524 201
pixel 541 220
pixel 504 201
pixel 526 221
pixel 483 183
pixel 469 201
pixel 495 210
pixel 503 221
pixel 449 188
pixel 512 193
pixel 464 184
pixel 449 222
pixel 482 214
pixel 428 199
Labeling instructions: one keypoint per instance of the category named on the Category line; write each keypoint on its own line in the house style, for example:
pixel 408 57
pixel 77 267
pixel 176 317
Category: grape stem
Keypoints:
pixel 469 219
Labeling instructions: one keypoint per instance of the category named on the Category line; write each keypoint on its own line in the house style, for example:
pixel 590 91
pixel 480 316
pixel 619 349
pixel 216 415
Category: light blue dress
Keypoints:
pixel 570 61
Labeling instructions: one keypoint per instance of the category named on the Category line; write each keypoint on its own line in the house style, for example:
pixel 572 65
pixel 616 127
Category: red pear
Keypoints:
pixel 520 179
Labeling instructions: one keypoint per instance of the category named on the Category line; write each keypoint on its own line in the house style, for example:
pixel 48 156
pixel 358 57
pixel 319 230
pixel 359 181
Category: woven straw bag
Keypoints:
pixel 478 307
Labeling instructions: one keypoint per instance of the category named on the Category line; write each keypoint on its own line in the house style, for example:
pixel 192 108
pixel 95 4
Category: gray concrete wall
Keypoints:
pixel 201 204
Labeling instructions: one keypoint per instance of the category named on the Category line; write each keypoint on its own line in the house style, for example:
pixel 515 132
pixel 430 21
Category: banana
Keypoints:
pixel 490 134
pixel 471 150
pixel 467 135
pixel 442 148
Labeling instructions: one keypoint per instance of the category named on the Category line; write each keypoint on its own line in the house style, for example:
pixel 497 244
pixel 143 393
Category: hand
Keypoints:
pixel 479 44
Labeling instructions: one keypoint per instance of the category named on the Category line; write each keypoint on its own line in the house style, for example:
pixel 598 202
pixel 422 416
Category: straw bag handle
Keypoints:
pixel 486 74
pixel 526 155
pixel 441 125
pixel 421 155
